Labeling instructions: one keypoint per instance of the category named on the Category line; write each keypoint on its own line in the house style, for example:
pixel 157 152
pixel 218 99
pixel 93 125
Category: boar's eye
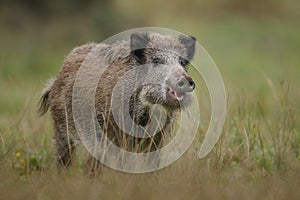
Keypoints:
pixel 156 61
pixel 183 62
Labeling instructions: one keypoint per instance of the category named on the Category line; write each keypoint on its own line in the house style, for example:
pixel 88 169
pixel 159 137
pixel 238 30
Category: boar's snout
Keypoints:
pixel 185 84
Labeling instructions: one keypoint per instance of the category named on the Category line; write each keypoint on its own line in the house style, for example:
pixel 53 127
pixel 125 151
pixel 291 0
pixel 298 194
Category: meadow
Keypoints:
pixel 257 156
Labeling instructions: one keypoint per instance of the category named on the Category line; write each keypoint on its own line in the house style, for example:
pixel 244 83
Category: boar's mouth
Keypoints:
pixel 175 94
pixel 161 94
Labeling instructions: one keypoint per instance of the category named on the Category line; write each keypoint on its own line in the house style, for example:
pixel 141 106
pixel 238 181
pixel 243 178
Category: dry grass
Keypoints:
pixel 257 156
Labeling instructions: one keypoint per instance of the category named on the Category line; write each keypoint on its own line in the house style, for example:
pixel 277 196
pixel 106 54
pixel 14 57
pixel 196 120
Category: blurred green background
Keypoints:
pixel 255 44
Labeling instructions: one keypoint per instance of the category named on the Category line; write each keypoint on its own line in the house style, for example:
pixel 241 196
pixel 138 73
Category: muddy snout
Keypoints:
pixel 185 84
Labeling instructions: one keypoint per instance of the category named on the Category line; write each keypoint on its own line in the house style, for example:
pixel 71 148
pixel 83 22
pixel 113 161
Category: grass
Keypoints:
pixel 257 156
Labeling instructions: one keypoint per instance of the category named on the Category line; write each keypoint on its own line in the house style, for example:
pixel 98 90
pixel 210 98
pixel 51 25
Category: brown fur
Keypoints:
pixel 58 97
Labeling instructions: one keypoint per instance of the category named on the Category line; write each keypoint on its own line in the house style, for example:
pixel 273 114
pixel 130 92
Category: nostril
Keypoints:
pixel 185 84
pixel 180 84
pixel 192 84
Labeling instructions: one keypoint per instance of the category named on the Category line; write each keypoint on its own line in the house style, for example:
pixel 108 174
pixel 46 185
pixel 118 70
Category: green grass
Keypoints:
pixel 256 157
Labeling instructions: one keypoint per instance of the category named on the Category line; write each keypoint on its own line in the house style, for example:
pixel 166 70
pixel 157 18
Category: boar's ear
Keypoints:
pixel 138 43
pixel 189 43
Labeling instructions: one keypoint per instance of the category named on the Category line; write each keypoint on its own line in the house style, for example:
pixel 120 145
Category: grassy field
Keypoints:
pixel 257 156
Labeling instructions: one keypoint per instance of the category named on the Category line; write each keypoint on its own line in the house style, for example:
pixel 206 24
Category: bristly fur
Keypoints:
pixel 189 42
pixel 138 44
pixel 44 101
pixel 120 57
